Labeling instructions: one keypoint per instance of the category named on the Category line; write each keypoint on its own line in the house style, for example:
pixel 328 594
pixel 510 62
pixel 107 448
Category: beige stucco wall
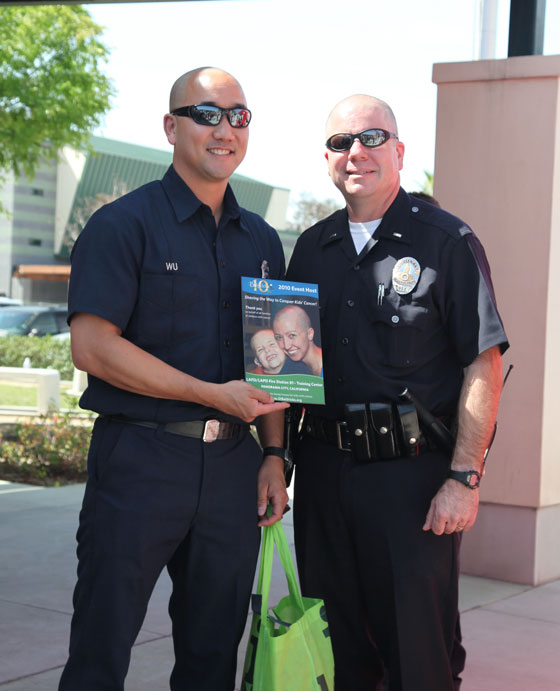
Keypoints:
pixel 68 173
pixel 550 486
pixel 6 229
pixel 278 208
pixel 498 167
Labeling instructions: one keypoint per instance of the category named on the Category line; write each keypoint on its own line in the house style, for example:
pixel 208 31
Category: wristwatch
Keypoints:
pixel 284 454
pixel 469 478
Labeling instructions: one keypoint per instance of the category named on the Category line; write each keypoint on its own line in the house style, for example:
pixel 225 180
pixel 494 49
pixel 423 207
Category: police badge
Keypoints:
pixel 406 274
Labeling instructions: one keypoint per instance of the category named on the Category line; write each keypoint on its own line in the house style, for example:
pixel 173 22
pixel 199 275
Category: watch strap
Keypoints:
pixel 285 455
pixel 275 451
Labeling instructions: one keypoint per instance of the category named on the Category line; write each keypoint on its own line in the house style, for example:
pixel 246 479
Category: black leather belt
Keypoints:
pixel 207 430
pixel 329 431
pixel 386 432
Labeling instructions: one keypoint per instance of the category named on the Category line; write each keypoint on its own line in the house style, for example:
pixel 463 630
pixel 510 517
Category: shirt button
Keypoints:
pixel 341 380
pixel 222 263
pixel 414 209
pixel 395 319
pixel 350 303
pixel 227 342
pixel 225 303
pixel 344 341
pixel 356 267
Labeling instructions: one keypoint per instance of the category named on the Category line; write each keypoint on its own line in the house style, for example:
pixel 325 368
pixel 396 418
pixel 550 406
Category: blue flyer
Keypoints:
pixel 282 339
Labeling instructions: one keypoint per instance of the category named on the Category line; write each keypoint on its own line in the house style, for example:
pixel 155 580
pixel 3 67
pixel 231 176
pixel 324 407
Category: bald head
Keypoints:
pixel 360 103
pixel 293 331
pixel 297 314
pixel 206 153
pixel 366 173
pixel 182 86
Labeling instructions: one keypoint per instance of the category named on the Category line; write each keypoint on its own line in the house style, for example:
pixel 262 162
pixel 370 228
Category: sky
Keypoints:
pixel 295 59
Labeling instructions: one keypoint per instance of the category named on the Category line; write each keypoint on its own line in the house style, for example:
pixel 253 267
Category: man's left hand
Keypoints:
pixel 453 509
pixel 271 488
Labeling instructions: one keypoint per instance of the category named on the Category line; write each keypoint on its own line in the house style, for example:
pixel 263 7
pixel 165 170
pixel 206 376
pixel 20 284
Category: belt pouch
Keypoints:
pixel 409 428
pixel 357 421
pixel 383 426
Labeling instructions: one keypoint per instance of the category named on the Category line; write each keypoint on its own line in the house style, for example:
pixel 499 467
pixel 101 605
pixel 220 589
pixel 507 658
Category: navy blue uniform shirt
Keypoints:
pixel 376 341
pixel 154 264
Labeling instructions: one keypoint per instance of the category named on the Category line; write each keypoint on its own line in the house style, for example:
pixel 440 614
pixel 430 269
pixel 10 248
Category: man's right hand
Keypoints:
pixel 243 400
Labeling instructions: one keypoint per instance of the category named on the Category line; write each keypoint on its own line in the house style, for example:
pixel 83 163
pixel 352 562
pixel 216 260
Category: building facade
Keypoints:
pixel 41 218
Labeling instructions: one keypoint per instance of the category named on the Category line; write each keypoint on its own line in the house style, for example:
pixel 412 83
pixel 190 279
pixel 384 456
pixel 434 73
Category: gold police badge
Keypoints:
pixel 406 274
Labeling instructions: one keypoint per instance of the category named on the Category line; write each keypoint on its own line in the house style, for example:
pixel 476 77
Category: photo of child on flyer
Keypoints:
pixel 269 358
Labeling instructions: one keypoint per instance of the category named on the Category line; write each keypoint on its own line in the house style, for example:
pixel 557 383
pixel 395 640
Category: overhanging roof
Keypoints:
pixel 114 163
pixel 43 272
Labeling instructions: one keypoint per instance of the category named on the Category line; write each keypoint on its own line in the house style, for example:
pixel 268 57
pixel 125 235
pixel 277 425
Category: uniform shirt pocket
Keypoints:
pixel 400 333
pixel 166 309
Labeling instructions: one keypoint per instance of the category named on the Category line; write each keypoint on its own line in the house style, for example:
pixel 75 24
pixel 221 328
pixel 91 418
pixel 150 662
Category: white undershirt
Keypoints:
pixel 362 232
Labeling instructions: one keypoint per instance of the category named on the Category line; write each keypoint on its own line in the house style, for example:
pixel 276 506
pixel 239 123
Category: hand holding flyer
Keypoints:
pixel 282 339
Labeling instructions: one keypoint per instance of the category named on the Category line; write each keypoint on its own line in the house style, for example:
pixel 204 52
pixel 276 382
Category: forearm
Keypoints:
pixel 477 410
pixel 102 352
pixel 271 429
pixel 271 485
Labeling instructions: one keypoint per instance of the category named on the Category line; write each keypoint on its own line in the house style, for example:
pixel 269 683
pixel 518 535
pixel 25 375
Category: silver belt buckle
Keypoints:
pixel 339 436
pixel 211 430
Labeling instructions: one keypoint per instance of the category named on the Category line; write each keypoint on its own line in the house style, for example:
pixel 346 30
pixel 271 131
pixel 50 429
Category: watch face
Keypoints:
pixel 469 478
pixel 473 479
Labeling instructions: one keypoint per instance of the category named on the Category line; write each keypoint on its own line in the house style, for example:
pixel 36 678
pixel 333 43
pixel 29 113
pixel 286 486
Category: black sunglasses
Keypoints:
pixel 369 138
pixel 212 115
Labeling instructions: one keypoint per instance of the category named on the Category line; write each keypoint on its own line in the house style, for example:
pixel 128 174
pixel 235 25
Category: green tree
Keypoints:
pixel 309 210
pixel 52 90
pixel 428 186
pixel 85 210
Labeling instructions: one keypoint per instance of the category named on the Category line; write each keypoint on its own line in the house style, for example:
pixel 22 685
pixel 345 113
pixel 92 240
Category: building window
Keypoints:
pixel 37 192
pixel 35 242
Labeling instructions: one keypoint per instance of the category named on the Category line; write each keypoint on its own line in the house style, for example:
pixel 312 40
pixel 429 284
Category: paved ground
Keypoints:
pixel 512 632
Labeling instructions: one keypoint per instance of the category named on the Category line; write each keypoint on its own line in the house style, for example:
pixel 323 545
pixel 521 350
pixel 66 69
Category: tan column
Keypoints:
pixel 498 167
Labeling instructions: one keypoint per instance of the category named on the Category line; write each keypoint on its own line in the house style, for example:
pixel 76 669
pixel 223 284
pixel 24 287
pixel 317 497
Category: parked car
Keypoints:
pixel 33 320
pixel 9 302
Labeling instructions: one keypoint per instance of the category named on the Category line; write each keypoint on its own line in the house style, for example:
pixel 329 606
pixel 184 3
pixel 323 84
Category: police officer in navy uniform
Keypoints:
pixel 175 479
pixel 407 314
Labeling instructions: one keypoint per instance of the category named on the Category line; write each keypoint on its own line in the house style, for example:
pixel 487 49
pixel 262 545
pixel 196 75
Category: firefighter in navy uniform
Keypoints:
pixel 155 319
pixel 406 303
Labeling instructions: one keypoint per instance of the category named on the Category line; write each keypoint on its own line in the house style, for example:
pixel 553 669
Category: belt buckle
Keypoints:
pixel 339 435
pixel 211 430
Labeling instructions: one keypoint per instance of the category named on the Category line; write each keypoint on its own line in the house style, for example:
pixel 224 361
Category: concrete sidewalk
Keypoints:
pixel 512 632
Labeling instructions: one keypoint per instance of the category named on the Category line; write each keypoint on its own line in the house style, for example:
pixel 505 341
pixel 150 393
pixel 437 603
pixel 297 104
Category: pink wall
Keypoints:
pixel 497 166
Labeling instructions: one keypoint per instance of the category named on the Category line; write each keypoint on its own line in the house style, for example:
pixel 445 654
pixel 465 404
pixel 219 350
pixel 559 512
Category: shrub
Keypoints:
pixel 51 451
pixel 45 351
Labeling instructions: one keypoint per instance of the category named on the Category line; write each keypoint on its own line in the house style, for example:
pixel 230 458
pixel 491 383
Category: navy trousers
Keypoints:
pixel 390 589
pixel 156 500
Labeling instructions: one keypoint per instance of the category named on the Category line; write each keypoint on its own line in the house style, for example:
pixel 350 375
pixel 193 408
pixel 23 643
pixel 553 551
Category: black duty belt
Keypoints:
pixel 207 430
pixel 372 431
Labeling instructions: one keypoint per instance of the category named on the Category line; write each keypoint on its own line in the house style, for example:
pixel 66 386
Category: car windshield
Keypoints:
pixel 14 322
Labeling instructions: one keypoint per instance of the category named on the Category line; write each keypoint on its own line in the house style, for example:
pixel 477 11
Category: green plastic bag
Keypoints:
pixel 289 649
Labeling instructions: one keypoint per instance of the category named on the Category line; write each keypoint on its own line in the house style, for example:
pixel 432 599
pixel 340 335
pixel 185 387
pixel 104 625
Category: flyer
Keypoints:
pixel 282 339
